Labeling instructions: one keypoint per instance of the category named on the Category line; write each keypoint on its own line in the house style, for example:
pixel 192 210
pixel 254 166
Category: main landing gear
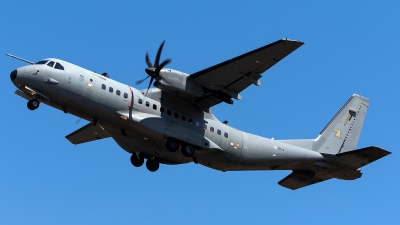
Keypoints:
pixel 151 164
pixel 33 104
pixel 137 160
pixel 173 146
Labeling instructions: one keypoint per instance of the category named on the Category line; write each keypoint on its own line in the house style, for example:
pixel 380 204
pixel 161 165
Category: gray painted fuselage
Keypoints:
pixel 87 94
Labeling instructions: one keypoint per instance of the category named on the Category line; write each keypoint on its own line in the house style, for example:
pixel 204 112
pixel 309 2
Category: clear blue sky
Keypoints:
pixel 349 48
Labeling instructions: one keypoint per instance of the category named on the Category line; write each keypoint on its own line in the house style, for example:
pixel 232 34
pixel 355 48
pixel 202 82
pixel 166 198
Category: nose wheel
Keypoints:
pixel 33 104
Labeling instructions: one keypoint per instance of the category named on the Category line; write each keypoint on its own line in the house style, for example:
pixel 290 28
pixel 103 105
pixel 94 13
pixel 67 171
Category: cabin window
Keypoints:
pixel 154 106
pixel 140 101
pixel 205 126
pixel 118 92
pixel 147 103
pixel 81 78
pixel 183 118
pixel 110 89
pixel 51 64
pixel 226 135
pixel 190 121
pixel 197 124
pixel 125 95
pixel 161 109
pixel 59 66
pixel 212 129
pixel 103 86
pixel 176 115
pixel 219 132
pixel 169 112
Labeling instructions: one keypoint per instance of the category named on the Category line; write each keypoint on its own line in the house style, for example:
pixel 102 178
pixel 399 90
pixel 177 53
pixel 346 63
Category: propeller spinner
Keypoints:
pixel 153 71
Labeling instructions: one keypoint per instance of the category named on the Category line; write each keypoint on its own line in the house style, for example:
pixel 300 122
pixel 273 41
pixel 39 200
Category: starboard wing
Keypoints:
pixel 227 79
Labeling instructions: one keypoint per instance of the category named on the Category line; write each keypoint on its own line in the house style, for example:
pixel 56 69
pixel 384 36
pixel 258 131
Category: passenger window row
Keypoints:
pixel 219 132
pixel 183 118
pixel 111 90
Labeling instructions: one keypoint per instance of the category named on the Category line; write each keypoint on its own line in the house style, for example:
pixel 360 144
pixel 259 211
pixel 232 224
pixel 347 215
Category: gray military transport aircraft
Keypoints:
pixel 155 123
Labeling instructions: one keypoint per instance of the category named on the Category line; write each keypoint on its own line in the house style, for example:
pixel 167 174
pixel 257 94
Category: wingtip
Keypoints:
pixel 287 39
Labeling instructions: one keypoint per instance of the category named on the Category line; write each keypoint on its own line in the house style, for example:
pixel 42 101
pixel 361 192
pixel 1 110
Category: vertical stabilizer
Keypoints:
pixel 342 132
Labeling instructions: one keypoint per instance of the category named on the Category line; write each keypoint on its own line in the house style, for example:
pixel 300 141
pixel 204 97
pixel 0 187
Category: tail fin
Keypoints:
pixel 342 132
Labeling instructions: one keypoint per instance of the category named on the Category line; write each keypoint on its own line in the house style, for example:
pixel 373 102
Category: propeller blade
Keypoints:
pixel 159 54
pixel 154 70
pixel 140 81
pixel 151 81
pixel 165 62
pixel 148 61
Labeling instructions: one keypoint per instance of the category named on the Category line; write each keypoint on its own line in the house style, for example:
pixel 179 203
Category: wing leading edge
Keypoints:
pixel 227 79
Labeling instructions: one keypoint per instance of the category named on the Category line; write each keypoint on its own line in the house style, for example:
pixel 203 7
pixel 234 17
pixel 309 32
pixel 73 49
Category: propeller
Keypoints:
pixel 153 71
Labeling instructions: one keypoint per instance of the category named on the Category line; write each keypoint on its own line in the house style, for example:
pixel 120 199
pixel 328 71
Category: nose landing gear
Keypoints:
pixel 33 104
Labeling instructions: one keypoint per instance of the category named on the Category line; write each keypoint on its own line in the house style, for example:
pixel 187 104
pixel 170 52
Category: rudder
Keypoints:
pixel 343 131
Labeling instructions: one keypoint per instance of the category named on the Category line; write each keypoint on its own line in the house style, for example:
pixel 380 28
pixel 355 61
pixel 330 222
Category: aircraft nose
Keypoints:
pixel 13 75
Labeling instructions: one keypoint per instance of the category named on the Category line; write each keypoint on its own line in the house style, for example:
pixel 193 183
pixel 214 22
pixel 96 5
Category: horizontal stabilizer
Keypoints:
pixel 362 157
pixel 87 133
pixel 299 179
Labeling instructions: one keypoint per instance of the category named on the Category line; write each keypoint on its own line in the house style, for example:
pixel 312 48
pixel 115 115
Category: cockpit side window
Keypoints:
pixel 42 62
pixel 51 64
pixel 59 66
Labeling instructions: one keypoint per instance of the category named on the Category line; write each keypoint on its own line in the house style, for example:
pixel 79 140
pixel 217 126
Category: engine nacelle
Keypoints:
pixel 176 81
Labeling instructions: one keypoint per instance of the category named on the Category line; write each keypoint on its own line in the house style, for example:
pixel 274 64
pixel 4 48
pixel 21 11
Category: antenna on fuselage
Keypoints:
pixel 16 57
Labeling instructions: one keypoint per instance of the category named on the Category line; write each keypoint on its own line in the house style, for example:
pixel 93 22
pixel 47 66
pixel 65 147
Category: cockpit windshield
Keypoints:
pixel 42 62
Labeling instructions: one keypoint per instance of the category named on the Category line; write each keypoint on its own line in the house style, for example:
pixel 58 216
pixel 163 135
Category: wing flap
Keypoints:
pixel 362 157
pixel 87 133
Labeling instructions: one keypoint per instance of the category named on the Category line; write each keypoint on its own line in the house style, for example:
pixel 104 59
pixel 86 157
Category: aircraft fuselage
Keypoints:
pixel 142 123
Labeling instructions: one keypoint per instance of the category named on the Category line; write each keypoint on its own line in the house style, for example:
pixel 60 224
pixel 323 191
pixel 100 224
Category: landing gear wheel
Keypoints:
pixel 172 144
pixel 137 161
pixel 152 165
pixel 188 150
pixel 33 104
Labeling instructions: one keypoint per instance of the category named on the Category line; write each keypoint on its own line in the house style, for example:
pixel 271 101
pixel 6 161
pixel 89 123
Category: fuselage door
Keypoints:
pixel 236 142
pixel 90 86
